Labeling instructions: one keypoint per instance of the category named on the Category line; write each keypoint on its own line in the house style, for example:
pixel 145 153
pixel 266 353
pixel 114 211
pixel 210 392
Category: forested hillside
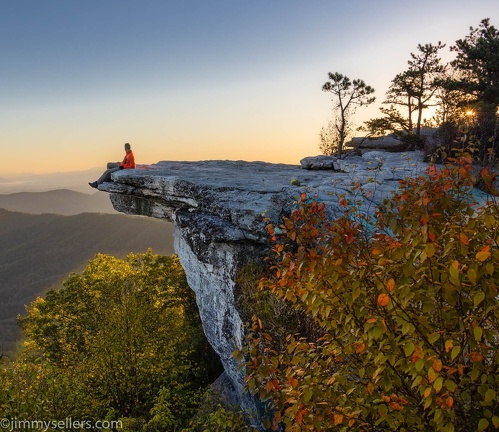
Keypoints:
pixel 120 345
pixel 38 251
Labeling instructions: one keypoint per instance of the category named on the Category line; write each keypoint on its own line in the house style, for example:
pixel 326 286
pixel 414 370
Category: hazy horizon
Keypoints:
pixel 44 182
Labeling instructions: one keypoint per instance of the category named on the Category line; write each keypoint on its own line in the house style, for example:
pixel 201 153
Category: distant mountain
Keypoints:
pixel 73 180
pixel 62 202
pixel 38 251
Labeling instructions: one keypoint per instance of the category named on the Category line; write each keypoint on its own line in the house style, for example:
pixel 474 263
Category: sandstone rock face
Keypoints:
pixel 218 208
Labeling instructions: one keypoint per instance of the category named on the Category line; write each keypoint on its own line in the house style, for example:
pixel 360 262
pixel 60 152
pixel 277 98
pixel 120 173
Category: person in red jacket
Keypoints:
pixel 127 163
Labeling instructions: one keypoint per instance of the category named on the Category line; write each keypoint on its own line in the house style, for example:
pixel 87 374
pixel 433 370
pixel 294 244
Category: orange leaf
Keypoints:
pixel 276 385
pixel 437 365
pixel 449 402
pixel 299 416
pixel 476 357
pixel 277 418
pixel 427 392
pixel 383 300
pixel 395 406
pixel 463 238
pixel 370 388
pixel 390 285
pixel 359 347
pixel 338 418
pixel 483 254
pixel 449 344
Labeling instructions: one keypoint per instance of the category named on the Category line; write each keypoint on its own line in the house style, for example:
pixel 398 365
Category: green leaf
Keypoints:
pixel 477 332
pixel 437 385
pixel 434 337
pixel 483 424
pixel 455 351
pixel 472 275
pixel 490 395
pixel 417 381
pixel 489 268
pixel 450 385
pixel 449 427
pixel 430 249
pixel 478 298
pixel 419 365
pixel 408 349
pixel 454 272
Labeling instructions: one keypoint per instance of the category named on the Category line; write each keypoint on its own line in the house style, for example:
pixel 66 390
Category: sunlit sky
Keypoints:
pixel 197 79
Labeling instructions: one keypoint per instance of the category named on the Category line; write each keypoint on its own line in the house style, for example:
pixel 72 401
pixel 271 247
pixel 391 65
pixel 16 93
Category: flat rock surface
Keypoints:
pixel 240 193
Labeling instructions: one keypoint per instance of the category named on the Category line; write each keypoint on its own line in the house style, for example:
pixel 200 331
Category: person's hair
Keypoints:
pixel 127 146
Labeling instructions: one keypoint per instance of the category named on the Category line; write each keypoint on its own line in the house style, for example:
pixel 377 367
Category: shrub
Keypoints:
pixel 408 311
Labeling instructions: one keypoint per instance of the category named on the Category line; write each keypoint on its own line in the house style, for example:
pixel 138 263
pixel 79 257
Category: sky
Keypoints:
pixel 197 79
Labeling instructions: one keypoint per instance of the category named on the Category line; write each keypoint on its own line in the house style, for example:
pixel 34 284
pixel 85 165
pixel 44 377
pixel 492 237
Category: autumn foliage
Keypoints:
pixel 407 305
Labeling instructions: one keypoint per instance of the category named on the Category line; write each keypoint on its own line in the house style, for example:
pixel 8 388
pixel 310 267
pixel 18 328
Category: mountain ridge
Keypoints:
pixel 39 251
pixel 58 201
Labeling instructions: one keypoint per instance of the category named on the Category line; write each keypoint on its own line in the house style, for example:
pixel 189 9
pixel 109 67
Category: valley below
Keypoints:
pixel 44 236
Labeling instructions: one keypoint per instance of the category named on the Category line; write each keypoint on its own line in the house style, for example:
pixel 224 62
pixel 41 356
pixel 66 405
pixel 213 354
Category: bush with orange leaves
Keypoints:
pixel 408 307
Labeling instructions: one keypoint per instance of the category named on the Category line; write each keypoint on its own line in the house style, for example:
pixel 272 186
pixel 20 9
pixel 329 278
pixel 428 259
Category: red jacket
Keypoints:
pixel 129 161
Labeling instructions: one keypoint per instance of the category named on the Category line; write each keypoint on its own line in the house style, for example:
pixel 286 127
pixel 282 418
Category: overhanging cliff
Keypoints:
pixel 218 210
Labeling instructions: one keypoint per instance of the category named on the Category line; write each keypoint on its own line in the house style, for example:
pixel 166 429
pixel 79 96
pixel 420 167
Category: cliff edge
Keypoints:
pixel 218 210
